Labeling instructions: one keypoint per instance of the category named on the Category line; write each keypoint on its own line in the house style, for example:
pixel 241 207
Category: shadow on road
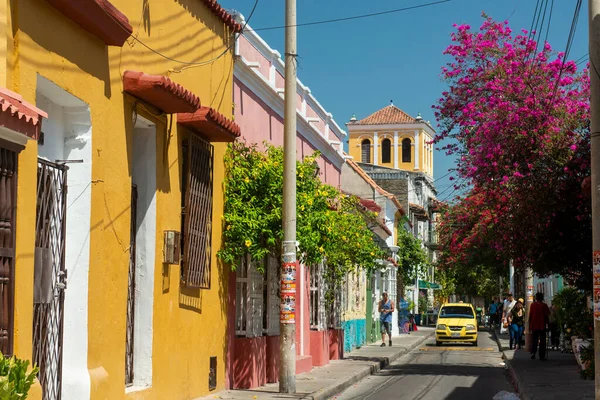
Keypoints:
pixel 450 381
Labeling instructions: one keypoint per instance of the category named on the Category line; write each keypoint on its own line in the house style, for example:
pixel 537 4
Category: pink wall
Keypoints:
pixel 259 123
pixel 319 347
pixel 250 53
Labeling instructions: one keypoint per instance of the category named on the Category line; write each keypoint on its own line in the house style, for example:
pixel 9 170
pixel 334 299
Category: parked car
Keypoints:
pixel 456 323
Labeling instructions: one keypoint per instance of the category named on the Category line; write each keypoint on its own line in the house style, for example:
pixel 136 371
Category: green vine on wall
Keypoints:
pixel 331 226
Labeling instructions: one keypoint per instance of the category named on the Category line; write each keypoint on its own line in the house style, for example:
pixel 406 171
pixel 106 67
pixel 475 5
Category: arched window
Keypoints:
pixel 366 151
pixel 386 151
pixel 406 150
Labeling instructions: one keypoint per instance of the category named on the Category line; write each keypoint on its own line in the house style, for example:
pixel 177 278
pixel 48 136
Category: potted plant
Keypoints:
pixel 15 379
pixel 576 321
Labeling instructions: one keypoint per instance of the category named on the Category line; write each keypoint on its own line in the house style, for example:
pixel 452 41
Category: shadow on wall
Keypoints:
pixel 88 53
pixel 249 363
pixel 190 299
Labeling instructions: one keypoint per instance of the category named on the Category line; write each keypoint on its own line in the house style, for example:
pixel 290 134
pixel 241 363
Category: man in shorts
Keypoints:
pixel 386 311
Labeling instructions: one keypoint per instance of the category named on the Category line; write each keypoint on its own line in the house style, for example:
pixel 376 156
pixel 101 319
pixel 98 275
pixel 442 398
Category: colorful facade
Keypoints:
pixel 357 182
pixel 115 270
pixel 254 325
pixel 391 138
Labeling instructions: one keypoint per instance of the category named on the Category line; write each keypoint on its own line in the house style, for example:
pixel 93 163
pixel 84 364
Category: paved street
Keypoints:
pixel 453 372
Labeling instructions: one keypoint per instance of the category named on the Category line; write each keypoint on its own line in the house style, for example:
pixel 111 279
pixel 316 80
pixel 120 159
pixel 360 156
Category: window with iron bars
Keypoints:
pixel 196 215
pixel 317 297
pixel 257 298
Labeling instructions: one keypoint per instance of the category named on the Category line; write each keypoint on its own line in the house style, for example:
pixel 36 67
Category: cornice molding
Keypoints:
pixel 259 85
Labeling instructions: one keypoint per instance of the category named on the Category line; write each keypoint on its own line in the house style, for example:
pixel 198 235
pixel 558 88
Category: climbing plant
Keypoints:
pixel 331 226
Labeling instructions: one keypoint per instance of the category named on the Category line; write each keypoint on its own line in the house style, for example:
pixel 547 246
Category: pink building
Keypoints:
pixel 253 350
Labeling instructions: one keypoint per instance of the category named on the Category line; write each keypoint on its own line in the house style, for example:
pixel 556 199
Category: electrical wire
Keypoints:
pixel 567 48
pixel 328 21
pixel 549 21
pixel 582 59
pixel 198 63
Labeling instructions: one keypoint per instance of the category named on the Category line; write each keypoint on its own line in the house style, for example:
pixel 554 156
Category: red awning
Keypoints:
pixel 211 124
pixel 160 92
pixel 370 205
pixel 98 17
pixel 20 116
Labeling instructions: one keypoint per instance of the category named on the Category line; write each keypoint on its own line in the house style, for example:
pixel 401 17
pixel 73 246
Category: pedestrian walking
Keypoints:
pixel 386 311
pixel 539 316
pixel 554 329
pixel 517 322
pixel 493 313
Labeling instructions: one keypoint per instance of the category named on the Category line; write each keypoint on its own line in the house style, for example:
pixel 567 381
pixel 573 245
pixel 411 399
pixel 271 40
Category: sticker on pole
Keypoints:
pixel 596 277
pixel 287 313
pixel 288 278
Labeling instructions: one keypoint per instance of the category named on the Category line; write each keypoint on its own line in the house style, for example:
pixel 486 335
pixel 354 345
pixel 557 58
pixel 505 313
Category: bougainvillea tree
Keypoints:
pixel 330 226
pixel 516 116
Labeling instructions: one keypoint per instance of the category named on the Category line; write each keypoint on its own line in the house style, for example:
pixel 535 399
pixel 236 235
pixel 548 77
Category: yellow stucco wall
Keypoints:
pixel 189 327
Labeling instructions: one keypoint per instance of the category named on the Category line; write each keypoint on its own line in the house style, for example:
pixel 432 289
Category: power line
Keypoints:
pixel 328 21
pixel 549 21
pixel 198 63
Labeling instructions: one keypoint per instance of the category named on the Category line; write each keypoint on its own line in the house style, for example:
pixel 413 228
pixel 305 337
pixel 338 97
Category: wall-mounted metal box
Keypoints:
pixel 171 251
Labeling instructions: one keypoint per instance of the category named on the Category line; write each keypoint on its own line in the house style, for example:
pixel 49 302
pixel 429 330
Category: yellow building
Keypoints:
pixel 112 283
pixel 392 138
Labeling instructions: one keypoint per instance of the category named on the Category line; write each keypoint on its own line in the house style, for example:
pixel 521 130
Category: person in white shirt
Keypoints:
pixel 509 303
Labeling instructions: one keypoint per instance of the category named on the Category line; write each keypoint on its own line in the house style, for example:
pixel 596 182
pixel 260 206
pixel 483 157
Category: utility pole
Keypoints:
pixel 287 321
pixel 528 302
pixel 594 50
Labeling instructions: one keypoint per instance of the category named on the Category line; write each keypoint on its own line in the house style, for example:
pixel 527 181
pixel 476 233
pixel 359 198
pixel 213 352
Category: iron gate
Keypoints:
pixel 49 276
pixel 129 335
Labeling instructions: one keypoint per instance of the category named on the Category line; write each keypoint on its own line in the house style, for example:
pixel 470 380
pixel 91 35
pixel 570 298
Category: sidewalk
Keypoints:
pixel 554 379
pixel 325 382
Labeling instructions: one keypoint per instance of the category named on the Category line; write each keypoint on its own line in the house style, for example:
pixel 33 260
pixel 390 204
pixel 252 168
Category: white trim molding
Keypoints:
pixel 278 65
pixel 258 85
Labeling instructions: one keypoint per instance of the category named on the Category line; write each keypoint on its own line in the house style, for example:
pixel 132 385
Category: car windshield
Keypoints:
pixel 456 312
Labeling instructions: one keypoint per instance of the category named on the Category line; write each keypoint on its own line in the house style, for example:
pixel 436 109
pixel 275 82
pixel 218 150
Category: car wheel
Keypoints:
pixel 438 343
pixel 475 343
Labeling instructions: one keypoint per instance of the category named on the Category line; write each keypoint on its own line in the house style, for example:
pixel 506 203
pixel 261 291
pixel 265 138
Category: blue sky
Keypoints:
pixel 357 67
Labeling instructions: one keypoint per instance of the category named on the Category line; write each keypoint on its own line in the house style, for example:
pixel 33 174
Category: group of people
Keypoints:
pixel 511 315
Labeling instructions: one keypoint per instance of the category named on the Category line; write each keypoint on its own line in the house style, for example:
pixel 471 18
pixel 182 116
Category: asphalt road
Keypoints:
pixel 452 372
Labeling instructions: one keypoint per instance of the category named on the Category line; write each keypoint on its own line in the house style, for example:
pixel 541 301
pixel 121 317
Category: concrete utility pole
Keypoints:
pixel 594 50
pixel 287 341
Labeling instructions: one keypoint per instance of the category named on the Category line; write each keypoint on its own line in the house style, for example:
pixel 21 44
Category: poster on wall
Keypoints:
pixel 596 278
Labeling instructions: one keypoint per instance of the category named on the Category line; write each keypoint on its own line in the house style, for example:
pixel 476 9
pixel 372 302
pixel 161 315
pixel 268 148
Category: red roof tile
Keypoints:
pixel 375 186
pixel 220 12
pixel 161 92
pixel 210 124
pixel 370 205
pixel 18 115
pixel 99 17
pixel 389 115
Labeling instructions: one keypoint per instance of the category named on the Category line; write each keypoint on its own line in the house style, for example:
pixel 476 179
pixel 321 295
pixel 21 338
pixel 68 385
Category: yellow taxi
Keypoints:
pixel 456 322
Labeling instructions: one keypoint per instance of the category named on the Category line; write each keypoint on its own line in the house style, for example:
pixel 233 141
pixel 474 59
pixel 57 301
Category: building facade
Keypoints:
pixel 258 93
pixel 114 263
pixel 357 182
pixel 394 149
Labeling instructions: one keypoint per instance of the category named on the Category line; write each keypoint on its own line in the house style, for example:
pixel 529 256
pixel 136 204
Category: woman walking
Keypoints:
pixel 517 324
